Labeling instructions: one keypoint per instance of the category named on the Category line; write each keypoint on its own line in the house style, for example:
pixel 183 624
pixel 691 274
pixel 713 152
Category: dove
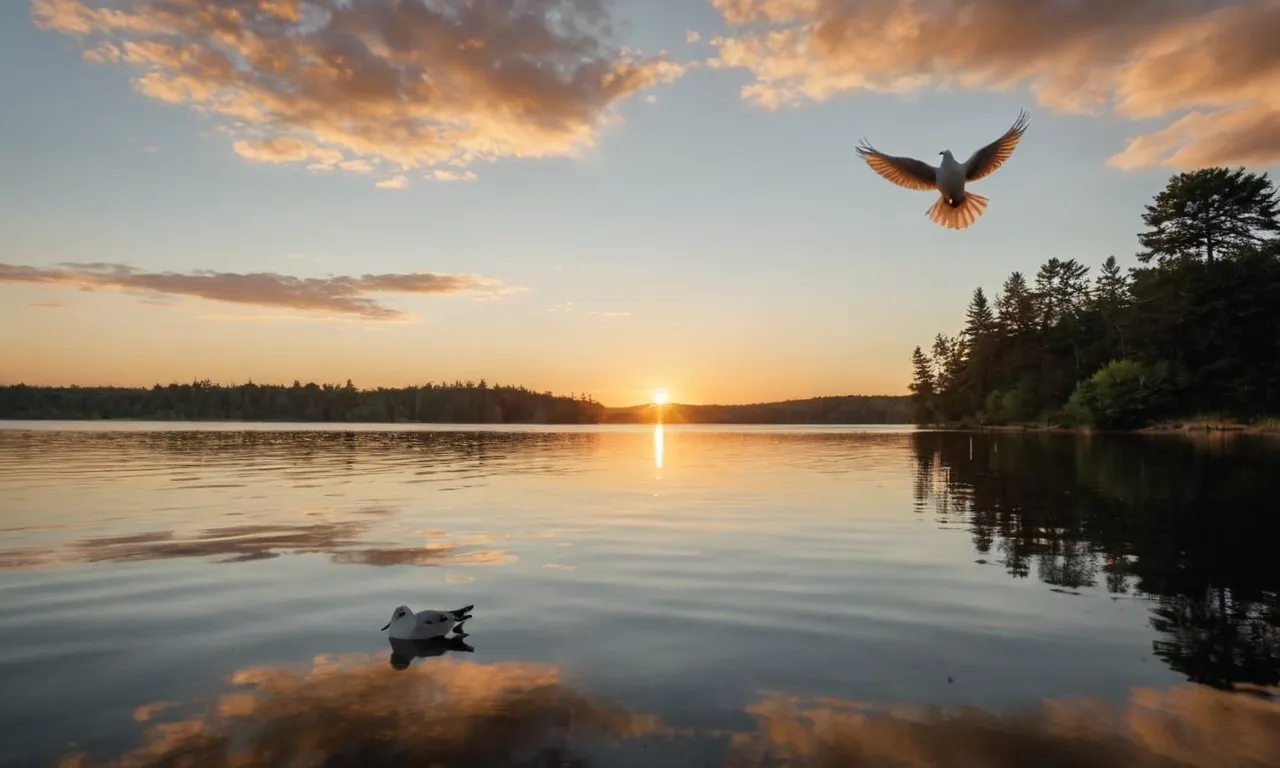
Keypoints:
pixel 956 207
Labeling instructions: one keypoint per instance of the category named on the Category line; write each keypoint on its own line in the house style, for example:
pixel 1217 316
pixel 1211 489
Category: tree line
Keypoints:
pixel 460 402
pixel 1192 331
pixel 841 409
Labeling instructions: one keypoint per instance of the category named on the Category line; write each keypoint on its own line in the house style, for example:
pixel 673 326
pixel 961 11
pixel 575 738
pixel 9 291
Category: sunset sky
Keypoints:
pixel 575 195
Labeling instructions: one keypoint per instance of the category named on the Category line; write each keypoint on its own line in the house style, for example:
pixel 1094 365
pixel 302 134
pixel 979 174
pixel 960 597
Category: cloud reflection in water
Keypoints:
pixel 353 710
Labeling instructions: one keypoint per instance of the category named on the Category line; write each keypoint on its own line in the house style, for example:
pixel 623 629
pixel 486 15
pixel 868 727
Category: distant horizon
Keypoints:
pixel 657 196
pixel 488 382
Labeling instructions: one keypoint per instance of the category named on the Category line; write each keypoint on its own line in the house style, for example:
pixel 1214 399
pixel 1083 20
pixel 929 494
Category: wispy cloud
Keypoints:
pixel 395 182
pixel 441 174
pixel 49 304
pixel 692 36
pixel 341 295
pixel 1138 58
pixel 414 85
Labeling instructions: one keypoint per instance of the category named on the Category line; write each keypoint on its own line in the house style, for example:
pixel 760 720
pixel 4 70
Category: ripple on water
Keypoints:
pixel 825 564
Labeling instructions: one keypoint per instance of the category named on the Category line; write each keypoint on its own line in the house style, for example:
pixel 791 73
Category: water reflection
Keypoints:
pixel 1176 727
pixel 353 711
pixel 657 446
pixel 1185 522
pixel 340 539
pixel 403 652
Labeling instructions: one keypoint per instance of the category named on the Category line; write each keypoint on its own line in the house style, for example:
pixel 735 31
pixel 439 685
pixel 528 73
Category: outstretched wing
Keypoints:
pixel 985 161
pixel 903 171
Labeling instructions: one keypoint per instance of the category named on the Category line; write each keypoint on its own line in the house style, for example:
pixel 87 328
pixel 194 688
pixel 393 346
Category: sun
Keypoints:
pixel 660 397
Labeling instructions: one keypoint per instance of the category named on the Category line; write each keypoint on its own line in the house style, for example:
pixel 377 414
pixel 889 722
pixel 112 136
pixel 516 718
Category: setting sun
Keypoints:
pixel 660 397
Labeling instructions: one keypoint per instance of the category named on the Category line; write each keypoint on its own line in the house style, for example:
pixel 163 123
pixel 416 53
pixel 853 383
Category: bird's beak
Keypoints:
pixel 384 629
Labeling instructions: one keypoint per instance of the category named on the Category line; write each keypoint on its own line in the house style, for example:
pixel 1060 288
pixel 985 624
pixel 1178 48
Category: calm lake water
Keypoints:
pixel 644 596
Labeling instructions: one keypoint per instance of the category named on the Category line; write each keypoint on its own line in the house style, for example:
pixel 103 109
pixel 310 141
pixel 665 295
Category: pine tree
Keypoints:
pixel 922 386
pixel 1111 289
pixel 981 321
pixel 1016 306
pixel 1209 213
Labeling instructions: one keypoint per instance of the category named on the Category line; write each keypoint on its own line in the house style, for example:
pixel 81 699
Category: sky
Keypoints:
pixel 580 196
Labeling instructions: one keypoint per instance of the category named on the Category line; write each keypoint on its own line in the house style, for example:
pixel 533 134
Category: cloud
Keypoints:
pixel 1208 66
pixel 395 182
pixel 410 84
pixel 49 304
pixel 441 174
pixel 692 36
pixel 340 295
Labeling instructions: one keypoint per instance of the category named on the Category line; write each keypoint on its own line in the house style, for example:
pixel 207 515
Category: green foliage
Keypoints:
pixel 1204 318
pixel 1123 394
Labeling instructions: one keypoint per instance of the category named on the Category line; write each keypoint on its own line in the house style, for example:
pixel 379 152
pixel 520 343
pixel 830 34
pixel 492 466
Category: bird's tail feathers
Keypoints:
pixel 974 205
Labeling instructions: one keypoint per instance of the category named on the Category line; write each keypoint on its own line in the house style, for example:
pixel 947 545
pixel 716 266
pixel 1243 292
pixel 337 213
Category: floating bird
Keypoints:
pixel 956 208
pixel 407 625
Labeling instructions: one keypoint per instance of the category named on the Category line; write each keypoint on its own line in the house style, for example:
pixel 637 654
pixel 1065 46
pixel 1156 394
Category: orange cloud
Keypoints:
pixel 342 295
pixel 1140 59
pixel 415 85
pixel 395 182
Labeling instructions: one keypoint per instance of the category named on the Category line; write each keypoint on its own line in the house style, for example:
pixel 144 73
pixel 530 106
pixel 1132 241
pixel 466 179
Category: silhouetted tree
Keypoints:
pixel 1208 213
pixel 1196 332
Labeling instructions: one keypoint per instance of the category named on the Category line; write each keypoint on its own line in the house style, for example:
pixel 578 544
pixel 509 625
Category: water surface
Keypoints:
pixel 644 595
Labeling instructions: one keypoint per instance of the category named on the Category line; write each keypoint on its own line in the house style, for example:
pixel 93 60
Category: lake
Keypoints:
pixel 669 596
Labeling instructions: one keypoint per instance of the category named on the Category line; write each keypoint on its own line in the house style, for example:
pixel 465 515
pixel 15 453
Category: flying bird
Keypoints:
pixel 956 207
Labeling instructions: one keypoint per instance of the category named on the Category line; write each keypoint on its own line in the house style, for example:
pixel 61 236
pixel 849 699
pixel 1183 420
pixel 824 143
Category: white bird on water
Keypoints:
pixel 956 207
pixel 407 625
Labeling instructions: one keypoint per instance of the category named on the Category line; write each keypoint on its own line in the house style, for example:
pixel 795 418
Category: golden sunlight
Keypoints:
pixel 657 446
pixel 660 397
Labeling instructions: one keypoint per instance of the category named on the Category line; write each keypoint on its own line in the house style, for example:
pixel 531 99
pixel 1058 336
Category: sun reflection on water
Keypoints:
pixel 657 445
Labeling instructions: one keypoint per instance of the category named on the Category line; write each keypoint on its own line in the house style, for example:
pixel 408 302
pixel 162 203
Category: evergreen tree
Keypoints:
pixel 922 387
pixel 1210 213
pixel 1205 316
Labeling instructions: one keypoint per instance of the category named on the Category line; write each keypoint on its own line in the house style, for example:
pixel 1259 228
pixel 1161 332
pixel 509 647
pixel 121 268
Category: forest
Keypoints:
pixel 842 409
pixel 466 402
pixel 460 402
pixel 1191 332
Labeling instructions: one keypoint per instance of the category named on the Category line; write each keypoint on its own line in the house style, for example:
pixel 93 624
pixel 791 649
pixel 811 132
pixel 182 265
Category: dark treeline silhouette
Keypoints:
pixel 1194 331
pixel 1186 523
pixel 847 409
pixel 460 402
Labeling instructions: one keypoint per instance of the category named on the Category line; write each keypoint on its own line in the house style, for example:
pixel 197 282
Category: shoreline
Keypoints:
pixel 1269 427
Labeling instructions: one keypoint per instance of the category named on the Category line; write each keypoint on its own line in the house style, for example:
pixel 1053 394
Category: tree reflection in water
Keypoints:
pixel 1185 522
